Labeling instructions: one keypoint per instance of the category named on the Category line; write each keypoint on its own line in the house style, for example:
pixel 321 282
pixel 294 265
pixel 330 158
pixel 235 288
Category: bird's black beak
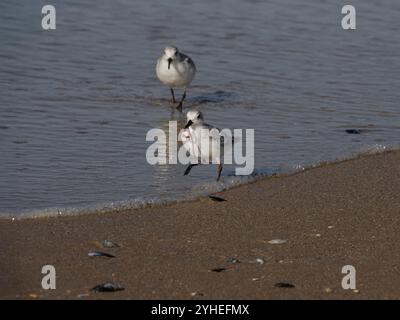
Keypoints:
pixel 188 124
pixel 169 62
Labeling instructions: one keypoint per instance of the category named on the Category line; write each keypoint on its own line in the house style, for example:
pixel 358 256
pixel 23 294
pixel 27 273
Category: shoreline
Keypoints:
pixel 88 210
pixel 332 215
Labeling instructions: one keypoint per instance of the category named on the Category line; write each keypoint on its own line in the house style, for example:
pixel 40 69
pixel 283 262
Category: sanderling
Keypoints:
pixel 175 70
pixel 203 141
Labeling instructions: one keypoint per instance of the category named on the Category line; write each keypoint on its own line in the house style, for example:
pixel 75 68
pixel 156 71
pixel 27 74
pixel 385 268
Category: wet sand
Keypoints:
pixel 330 216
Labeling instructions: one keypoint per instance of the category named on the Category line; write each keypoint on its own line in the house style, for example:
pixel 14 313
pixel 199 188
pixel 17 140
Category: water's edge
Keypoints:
pixel 142 203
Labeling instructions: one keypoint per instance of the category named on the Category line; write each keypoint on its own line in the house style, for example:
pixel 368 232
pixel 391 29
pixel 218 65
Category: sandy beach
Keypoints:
pixel 345 213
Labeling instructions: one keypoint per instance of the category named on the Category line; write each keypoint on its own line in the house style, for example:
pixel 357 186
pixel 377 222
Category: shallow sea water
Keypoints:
pixel 76 103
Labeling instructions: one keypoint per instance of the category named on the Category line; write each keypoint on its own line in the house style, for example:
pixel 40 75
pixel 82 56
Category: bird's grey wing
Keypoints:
pixel 186 59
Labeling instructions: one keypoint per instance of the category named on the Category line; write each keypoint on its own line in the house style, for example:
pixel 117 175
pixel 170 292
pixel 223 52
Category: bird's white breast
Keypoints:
pixel 180 73
pixel 206 140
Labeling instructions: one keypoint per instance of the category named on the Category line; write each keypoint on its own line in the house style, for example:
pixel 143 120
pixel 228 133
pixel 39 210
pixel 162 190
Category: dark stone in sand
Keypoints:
pixel 218 269
pixel 284 285
pixel 200 294
pixel 353 131
pixel 107 287
pixel 216 198
pixel 100 254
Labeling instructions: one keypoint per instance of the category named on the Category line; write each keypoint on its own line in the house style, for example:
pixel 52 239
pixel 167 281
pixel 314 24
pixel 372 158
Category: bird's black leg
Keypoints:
pixel 219 171
pixel 190 166
pixel 179 107
pixel 173 96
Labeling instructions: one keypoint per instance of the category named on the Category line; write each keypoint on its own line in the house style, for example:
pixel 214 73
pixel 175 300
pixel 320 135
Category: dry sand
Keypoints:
pixel 331 216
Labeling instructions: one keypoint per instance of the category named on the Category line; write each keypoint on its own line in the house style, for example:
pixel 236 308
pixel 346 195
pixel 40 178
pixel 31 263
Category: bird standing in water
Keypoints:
pixel 205 143
pixel 175 70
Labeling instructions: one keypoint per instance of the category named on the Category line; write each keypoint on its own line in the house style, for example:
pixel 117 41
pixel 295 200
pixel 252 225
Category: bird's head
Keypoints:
pixel 170 54
pixel 192 117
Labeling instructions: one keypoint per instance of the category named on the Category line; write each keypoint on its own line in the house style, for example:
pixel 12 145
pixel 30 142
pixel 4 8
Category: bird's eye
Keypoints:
pixel 198 117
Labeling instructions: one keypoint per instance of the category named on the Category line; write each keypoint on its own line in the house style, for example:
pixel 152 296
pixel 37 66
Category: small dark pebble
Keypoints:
pixel 284 285
pixel 353 131
pixel 194 294
pixel 108 287
pixel 218 269
pixel 100 254
pixel 215 198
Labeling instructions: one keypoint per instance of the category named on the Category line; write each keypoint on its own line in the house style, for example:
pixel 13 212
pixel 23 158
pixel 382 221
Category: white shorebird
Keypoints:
pixel 175 70
pixel 203 141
